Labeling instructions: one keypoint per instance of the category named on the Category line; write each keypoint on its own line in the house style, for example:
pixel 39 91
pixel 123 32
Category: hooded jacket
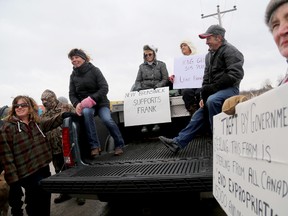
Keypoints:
pixel 55 136
pixel 24 148
pixel 88 80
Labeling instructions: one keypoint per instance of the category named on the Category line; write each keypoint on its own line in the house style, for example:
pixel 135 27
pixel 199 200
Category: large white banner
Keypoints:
pixel 149 106
pixel 250 156
pixel 189 71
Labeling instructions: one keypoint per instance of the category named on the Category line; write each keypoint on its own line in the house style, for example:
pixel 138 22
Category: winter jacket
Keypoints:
pixel 151 76
pixel 24 148
pixel 224 67
pixel 54 136
pixel 88 80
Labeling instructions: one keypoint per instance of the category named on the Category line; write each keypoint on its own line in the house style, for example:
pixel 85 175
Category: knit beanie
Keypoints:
pixel 271 7
pixel 190 45
pixel 77 52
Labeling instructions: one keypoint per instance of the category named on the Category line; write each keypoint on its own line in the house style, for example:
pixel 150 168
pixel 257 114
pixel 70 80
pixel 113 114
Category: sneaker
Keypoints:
pixel 95 152
pixel 118 151
pixel 170 144
pixel 80 201
pixel 62 198
pixel 156 128
pixel 144 129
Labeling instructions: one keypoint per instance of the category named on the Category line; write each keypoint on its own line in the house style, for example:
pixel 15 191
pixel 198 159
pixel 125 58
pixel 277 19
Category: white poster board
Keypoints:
pixel 189 71
pixel 250 156
pixel 149 106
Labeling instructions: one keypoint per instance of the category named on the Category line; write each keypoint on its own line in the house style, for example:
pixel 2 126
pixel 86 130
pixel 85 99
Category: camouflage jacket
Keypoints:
pixel 55 136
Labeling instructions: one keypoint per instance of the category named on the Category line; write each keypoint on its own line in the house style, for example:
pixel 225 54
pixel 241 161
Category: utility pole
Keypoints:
pixel 218 14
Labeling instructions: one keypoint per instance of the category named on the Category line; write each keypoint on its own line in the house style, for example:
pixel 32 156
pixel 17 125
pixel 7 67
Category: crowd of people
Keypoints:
pixel 30 140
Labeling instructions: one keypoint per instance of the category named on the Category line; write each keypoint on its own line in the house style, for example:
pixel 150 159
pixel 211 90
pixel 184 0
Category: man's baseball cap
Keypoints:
pixel 213 30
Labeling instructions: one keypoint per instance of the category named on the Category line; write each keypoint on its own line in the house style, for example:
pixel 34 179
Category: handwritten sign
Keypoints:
pixel 149 106
pixel 189 71
pixel 250 163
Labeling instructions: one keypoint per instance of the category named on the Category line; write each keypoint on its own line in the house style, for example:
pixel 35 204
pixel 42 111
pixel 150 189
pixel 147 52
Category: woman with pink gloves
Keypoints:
pixel 88 90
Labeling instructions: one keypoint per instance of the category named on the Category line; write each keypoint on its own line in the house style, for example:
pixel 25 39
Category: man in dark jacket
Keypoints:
pixel 222 76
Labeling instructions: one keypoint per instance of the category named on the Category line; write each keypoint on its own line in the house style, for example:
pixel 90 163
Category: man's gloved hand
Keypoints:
pixel 88 102
pixel 69 114
pixel 208 90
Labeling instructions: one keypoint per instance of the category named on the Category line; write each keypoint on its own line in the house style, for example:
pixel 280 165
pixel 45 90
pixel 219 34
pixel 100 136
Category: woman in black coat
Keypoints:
pixel 88 93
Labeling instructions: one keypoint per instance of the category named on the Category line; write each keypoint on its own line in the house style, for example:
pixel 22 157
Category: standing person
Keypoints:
pixel 190 96
pixel 276 20
pixel 4 111
pixel 53 107
pixel 88 94
pixel 15 191
pixel 222 76
pixel 152 73
pixel 25 153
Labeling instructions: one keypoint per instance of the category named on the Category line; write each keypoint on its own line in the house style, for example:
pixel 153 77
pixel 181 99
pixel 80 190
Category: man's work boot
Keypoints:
pixel 62 198
pixel 170 144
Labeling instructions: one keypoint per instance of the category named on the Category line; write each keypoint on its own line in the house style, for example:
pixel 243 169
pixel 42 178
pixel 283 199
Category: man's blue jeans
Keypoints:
pixel 213 106
pixel 90 125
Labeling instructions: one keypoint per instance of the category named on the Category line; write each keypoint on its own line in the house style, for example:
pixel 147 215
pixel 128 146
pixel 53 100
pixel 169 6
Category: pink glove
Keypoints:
pixel 88 102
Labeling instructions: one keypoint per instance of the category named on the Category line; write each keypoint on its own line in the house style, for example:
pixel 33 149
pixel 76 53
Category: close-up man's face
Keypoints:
pixel 279 27
pixel 214 42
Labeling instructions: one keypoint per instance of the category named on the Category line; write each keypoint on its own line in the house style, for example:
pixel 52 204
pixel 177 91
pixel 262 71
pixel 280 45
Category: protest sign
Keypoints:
pixel 149 106
pixel 250 163
pixel 189 71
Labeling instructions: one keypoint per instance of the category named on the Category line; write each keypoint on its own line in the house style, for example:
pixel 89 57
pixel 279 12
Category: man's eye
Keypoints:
pixel 274 26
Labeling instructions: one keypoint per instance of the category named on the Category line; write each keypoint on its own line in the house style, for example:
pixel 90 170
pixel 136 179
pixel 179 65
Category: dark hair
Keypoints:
pixel 80 53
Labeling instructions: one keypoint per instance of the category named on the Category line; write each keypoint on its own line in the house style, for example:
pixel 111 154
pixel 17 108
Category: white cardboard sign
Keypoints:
pixel 149 106
pixel 250 156
pixel 189 71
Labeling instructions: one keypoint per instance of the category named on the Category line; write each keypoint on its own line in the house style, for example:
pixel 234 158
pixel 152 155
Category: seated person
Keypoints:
pixel 152 73
pixel 191 96
pixel 222 76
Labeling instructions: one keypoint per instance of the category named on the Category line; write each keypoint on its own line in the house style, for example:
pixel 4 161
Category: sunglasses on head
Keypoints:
pixel 149 54
pixel 23 105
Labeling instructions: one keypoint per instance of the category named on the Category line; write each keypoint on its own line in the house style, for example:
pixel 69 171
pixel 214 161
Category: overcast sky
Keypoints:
pixel 36 36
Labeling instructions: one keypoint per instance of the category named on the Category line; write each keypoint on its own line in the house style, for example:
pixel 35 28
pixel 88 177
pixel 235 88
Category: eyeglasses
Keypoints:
pixel 23 105
pixel 149 54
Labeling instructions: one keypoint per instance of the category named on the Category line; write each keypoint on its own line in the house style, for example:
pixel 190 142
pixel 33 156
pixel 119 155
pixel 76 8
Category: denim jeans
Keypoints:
pixel 90 125
pixel 213 106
